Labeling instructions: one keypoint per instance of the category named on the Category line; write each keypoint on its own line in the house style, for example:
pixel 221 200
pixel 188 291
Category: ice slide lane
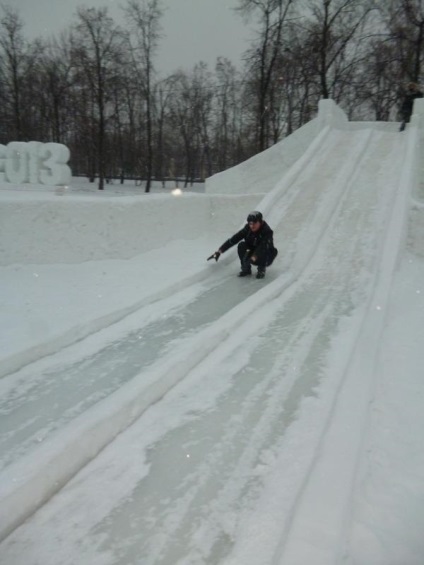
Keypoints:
pixel 253 417
pixel 138 393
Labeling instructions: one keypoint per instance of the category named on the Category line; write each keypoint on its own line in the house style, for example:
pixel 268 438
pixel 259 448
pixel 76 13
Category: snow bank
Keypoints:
pixel 42 228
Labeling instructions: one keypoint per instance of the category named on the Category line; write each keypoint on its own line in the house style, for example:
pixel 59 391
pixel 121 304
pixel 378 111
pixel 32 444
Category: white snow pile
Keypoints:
pixel 157 410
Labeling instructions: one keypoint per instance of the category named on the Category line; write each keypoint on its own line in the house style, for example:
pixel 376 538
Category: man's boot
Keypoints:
pixel 261 273
pixel 246 268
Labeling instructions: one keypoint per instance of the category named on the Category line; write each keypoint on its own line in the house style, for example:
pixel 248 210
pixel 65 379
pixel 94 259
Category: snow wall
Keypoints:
pixel 46 228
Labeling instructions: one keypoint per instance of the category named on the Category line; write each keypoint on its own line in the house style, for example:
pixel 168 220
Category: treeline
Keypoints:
pixel 95 88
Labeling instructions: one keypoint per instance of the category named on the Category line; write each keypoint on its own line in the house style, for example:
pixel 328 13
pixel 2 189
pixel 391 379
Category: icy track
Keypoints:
pixel 242 404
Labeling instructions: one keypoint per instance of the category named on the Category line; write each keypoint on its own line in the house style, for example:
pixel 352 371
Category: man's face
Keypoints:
pixel 254 226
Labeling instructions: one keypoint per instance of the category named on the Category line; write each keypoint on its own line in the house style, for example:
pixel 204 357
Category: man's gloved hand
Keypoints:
pixel 215 256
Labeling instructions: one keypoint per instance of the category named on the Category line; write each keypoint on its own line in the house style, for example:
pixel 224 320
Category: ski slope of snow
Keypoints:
pixel 157 410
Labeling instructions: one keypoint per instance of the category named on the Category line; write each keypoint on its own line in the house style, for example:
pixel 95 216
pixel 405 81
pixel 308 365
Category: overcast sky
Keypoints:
pixel 193 30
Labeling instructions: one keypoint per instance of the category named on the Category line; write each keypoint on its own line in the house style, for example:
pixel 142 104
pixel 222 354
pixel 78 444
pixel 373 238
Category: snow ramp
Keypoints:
pixel 249 408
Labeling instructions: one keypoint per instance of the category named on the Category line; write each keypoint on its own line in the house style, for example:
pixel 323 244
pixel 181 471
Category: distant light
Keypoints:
pixel 177 192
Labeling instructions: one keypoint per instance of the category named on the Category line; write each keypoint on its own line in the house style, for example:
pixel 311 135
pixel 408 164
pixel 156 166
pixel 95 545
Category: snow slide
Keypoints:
pixel 229 395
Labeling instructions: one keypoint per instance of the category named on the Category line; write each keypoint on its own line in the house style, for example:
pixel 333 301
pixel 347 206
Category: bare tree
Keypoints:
pixel 334 28
pixel 296 85
pixel 191 110
pixel 17 60
pixel 263 56
pixel 143 17
pixel 55 78
pixel 405 20
pixel 96 53
pixel 228 82
pixel 163 92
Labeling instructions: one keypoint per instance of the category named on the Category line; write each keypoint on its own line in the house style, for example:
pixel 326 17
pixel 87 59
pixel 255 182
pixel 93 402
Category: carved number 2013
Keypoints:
pixel 35 162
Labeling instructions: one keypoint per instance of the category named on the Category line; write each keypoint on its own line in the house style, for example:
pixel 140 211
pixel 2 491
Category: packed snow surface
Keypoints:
pixel 157 410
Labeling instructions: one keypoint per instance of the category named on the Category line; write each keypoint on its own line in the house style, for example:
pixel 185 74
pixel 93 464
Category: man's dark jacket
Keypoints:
pixel 260 243
pixel 408 102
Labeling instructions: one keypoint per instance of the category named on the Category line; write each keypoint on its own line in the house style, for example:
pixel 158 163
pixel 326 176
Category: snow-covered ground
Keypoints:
pixel 157 410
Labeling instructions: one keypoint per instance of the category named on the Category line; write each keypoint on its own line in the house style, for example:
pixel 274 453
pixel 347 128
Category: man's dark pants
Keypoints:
pixel 263 259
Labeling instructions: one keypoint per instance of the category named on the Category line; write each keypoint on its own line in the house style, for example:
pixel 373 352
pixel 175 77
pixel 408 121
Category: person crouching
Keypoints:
pixel 255 246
